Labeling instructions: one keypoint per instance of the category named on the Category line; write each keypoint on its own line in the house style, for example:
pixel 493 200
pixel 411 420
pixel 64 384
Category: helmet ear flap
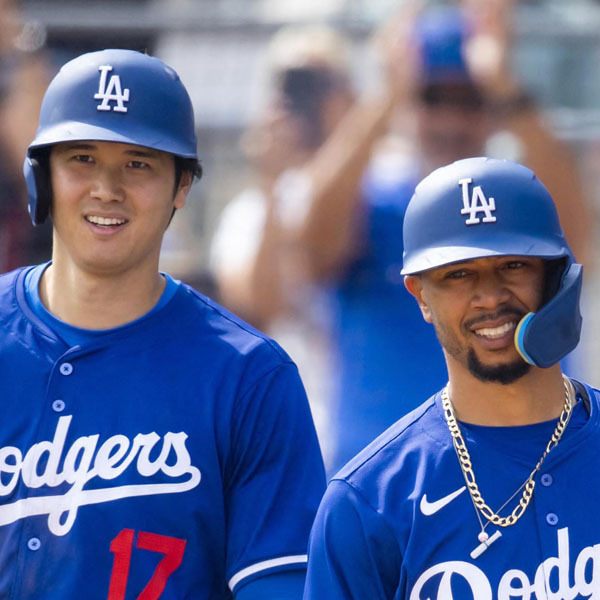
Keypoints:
pixel 545 337
pixel 39 192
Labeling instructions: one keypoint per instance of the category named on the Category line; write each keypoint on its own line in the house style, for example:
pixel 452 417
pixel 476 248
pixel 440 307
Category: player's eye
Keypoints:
pixel 137 164
pixel 456 274
pixel 83 158
pixel 514 264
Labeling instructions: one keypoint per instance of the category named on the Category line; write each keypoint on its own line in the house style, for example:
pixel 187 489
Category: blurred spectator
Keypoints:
pixel 449 87
pixel 24 76
pixel 258 269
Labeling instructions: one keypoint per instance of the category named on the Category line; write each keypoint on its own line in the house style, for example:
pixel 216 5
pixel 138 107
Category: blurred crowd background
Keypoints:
pixel 304 107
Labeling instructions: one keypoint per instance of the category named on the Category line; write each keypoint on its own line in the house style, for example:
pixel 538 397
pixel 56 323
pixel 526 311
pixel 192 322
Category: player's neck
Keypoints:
pixel 536 397
pixel 93 301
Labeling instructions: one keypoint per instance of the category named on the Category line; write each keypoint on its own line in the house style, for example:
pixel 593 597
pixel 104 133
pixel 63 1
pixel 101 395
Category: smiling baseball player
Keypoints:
pixel 489 490
pixel 153 445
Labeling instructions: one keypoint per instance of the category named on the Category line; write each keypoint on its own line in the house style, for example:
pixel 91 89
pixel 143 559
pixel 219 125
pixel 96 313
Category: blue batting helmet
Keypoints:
pixel 114 96
pixel 483 207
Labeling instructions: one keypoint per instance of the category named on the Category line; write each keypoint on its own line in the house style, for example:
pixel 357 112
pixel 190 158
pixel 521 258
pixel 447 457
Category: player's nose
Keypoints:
pixel 490 291
pixel 108 185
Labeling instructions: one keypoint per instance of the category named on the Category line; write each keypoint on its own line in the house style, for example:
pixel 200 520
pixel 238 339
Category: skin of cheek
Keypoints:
pixel 447 338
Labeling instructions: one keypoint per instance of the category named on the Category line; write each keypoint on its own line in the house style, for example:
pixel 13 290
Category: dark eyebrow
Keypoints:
pixel 142 153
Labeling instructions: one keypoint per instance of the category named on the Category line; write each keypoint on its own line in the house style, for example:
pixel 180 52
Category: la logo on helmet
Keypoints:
pixel 478 203
pixel 112 91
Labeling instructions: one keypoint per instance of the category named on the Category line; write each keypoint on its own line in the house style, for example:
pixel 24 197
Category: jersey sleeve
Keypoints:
pixel 287 585
pixel 275 479
pixel 352 553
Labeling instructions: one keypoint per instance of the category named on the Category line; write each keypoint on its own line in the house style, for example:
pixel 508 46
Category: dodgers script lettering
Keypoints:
pixel 83 461
pixel 554 579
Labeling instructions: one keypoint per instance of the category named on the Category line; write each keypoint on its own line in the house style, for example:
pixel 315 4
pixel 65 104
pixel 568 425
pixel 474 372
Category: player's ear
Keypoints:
pixel 185 183
pixel 414 284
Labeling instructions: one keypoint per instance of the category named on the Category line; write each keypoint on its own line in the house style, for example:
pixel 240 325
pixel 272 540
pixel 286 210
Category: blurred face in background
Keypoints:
pixel 306 105
pixel 452 123
pixel 318 97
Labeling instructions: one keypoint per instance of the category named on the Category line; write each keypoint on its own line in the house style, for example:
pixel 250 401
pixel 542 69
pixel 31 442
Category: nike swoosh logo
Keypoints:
pixel 430 508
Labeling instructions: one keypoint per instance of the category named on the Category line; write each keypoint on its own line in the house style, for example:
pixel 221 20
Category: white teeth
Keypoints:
pixel 104 220
pixel 495 332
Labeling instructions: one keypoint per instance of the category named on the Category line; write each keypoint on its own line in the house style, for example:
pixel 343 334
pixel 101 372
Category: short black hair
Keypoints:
pixel 191 165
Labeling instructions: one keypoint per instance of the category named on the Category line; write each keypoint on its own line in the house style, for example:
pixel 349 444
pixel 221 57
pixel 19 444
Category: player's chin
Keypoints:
pixel 503 372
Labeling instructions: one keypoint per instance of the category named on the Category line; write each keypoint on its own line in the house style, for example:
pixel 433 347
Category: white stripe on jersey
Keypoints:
pixel 266 564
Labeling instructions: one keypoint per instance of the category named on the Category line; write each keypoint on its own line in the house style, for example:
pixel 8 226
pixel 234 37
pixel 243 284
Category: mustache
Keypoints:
pixel 506 311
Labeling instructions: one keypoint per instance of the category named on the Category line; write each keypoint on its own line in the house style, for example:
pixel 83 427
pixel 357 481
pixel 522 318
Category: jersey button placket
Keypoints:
pixel 66 369
pixel 34 544
pixel 58 406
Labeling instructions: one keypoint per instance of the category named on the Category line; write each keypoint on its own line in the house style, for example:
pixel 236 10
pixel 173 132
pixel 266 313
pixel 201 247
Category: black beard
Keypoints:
pixel 504 374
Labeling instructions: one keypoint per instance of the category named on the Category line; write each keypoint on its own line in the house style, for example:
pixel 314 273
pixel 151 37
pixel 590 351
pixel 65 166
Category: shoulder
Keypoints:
pixel 590 395
pixel 211 324
pixel 379 491
pixel 403 434
pixel 8 289
pixel 8 280
pixel 400 454
pixel 19 324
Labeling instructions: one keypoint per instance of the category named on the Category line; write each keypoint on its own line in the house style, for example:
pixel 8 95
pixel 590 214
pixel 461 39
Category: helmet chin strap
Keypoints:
pixel 545 337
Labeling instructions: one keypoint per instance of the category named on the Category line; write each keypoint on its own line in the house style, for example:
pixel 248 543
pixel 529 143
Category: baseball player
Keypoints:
pixel 489 490
pixel 152 444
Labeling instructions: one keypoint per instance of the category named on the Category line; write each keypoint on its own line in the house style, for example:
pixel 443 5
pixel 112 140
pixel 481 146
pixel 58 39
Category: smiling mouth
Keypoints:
pixel 496 332
pixel 105 221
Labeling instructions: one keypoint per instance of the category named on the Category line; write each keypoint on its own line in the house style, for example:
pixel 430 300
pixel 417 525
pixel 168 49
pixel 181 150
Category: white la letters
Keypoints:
pixel 112 91
pixel 85 461
pixel 477 204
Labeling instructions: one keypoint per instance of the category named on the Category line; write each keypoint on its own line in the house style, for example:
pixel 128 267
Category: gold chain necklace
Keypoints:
pixel 464 460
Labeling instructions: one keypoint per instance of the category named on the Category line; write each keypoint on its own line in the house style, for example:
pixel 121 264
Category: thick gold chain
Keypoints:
pixel 464 460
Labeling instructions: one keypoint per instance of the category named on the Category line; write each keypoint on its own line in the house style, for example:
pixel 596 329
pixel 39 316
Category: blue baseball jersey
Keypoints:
pixel 398 522
pixel 173 457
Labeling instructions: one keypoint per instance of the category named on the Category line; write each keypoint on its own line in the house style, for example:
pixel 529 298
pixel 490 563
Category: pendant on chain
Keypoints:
pixel 486 542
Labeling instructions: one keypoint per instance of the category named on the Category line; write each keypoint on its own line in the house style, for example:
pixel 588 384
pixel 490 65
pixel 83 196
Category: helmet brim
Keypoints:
pixel 73 131
pixel 434 257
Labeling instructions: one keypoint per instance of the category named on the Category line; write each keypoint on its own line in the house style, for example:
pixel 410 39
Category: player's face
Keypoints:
pixel 475 307
pixel 111 204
